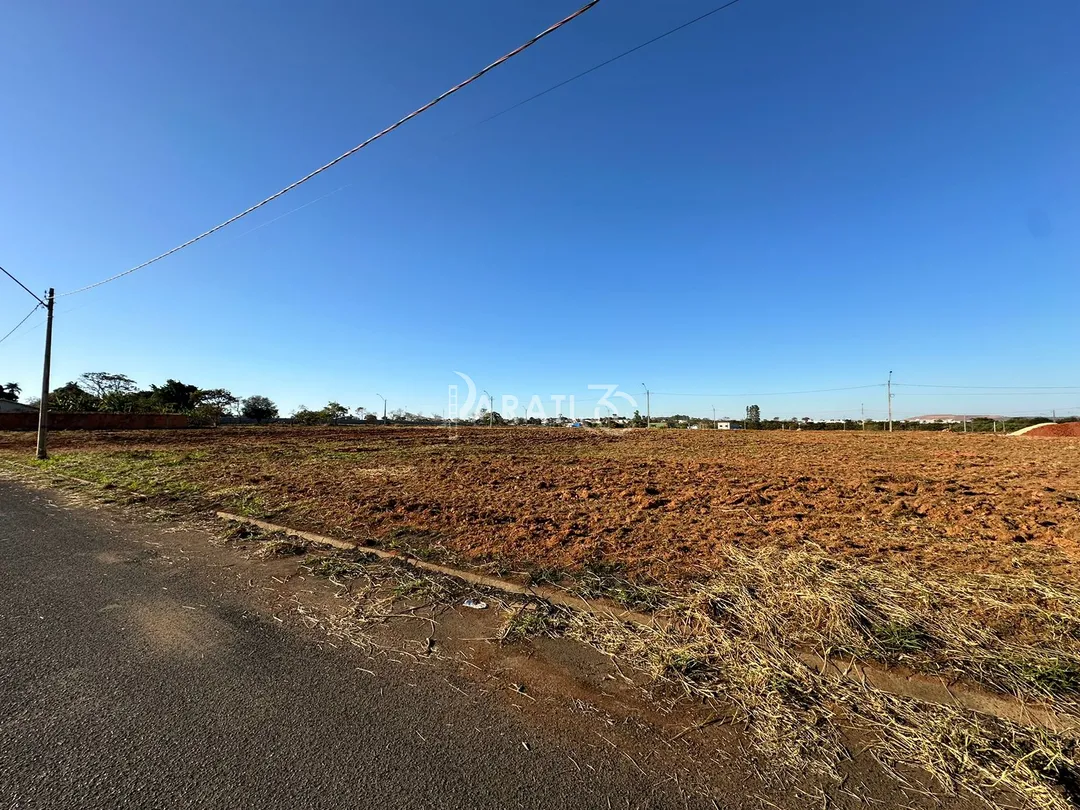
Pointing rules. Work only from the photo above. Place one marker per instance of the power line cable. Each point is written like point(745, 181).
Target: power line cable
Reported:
point(607, 62)
point(533, 97)
point(32, 295)
point(294, 210)
point(1065, 393)
point(994, 387)
point(773, 393)
point(551, 29)
point(20, 323)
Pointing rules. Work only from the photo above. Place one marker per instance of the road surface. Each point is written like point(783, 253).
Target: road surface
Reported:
point(129, 683)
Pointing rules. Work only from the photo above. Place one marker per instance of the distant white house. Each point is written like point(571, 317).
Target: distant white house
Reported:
point(728, 425)
point(10, 406)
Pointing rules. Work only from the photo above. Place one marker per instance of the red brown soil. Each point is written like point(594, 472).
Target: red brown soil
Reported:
point(1060, 429)
point(661, 502)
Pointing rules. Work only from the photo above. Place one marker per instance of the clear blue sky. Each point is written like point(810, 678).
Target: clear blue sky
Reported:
point(786, 196)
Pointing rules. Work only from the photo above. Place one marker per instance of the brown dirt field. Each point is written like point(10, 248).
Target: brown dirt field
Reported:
point(661, 503)
point(1061, 429)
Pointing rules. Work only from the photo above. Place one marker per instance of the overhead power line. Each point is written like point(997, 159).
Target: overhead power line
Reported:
point(1034, 393)
point(774, 393)
point(531, 98)
point(20, 323)
point(607, 62)
point(502, 59)
point(996, 387)
point(294, 210)
point(32, 294)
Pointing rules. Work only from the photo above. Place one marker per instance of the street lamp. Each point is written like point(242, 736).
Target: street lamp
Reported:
point(380, 396)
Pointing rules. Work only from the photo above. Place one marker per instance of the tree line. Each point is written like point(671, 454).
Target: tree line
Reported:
point(118, 393)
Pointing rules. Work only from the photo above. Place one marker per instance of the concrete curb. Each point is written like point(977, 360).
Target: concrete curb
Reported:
point(957, 695)
point(553, 595)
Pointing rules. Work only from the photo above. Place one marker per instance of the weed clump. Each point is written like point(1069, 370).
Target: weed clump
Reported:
point(527, 621)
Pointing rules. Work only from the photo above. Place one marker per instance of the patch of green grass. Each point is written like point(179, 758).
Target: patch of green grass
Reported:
point(1056, 676)
point(411, 586)
point(900, 639)
point(147, 472)
point(525, 622)
point(607, 581)
point(248, 503)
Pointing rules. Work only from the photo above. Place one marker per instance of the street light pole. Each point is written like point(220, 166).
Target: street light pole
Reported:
point(380, 396)
point(491, 409)
point(648, 407)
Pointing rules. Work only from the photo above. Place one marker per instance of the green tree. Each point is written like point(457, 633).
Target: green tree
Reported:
point(103, 384)
point(486, 417)
point(753, 417)
point(218, 401)
point(71, 397)
point(175, 396)
point(303, 416)
point(10, 391)
point(211, 405)
point(335, 412)
point(130, 402)
point(259, 408)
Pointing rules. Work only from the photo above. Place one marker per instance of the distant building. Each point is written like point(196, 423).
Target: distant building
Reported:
point(728, 425)
point(10, 406)
point(949, 418)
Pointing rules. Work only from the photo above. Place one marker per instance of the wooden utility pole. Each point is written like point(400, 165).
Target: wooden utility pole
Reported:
point(648, 407)
point(43, 407)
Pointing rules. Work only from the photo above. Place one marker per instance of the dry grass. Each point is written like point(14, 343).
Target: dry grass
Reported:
point(733, 641)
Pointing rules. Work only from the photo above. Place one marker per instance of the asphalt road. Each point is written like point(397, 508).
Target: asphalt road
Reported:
point(127, 683)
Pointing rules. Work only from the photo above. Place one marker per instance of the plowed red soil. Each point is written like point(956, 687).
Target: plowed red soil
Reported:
point(662, 502)
point(1060, 429)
